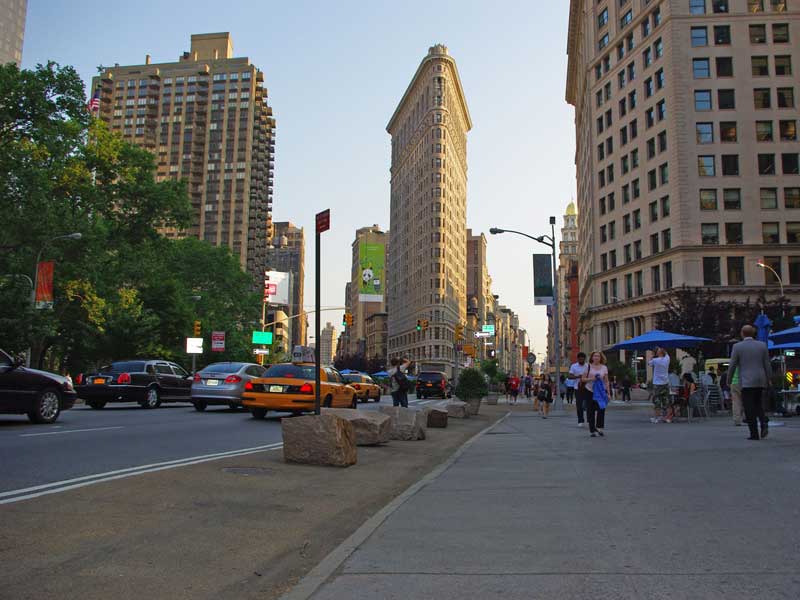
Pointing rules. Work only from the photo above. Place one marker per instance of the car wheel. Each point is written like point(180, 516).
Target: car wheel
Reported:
point(328, 402)
point(258, 413)
point(354, 404)
point(47, 407)
point(199, 406)
point(152, 399)
point(97, 404)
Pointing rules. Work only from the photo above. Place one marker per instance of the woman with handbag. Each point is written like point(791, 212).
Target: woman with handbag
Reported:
point(596, 382)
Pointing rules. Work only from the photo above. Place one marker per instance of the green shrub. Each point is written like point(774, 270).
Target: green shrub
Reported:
point(471, 385)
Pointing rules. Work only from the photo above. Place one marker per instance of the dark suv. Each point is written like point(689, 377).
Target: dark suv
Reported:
point(39, 394)
point(432, 384)
point(148, 382)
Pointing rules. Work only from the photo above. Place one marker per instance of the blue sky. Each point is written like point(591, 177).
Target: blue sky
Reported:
point(335, 73)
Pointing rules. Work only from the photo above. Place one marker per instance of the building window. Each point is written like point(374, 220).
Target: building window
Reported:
point(708, 199)
point(654, 249)
point(770, 234)
point(639, 277)
point(733, 233)
point(727, 131)
point(791, 197)
point(701, 68)
point(665, 206)
point(603, 42)
point(659, 48)
point(732, 199)
point(705, 166)
point(655, 278)
point(626, 224)
point(766, 164)
point(761, 98)
point(711, 271)
point(764, 131)
point(722, 35)
point(755, 6)
point(793, 232)
point(653, 208)
point(702, 100)
point(709, 233)
point(626, 19)
point(699, 36)
point(602, 18)
point(719, 6)
point(730, 164)
point(769, 198)
point(794, 270)
point(758, 34)
point(660, 81)
point(697, 7)
point(666, 239)
point(704, 133)
point(760, 66)
point(726, 99)
point(785, 97)
point(637, 250)
point(790, 163)
point(724, 66)
point(770, 277)
point(604, 291)
point(783, 65)
point(780, 33)
point(788, 131)
point(735, 270)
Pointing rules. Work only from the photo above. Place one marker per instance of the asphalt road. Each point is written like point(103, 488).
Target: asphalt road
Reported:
point(124, 439)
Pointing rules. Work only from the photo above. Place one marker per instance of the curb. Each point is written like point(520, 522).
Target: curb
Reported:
point(313, 580)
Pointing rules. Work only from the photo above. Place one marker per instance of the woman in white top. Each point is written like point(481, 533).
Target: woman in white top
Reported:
point(596, 375)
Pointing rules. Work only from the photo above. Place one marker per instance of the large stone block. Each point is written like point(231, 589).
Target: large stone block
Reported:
point(407, 424)
point(436, 417)
point(457, 409)
point(319, 440)
point(473, 405)
point(371, 427)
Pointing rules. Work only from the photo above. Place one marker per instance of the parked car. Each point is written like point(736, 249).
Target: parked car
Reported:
point(223, 383)
point(148, 382)
point(289, 387)
point(39, 394)
point(433, 384)
point(364, 385)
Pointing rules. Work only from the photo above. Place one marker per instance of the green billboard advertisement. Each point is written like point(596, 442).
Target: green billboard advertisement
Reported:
point(372, 261)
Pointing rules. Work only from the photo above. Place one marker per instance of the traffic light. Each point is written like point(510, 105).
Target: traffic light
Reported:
point(492, 353)
point(347, 321)
point(419, 324)
point(424, 324)
point(197, 329)
point(459, 332)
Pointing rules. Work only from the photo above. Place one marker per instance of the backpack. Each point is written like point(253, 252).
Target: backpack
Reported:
point(402, 381)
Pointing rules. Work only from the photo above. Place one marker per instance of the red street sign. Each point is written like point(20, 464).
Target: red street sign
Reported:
point(323, 221)
point(44, 285)
point(270, 289)
point(218, 341)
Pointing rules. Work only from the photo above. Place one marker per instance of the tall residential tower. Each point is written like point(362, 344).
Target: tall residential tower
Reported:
point(12, 30)
point(428, 238)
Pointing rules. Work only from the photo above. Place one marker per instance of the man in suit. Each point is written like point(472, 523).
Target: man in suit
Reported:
point(751, 358)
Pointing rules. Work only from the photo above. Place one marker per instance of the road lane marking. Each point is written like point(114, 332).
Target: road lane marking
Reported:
point(56, 487)
point(70, 431)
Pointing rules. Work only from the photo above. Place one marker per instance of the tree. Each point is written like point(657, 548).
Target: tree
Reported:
point(698, 312)
point(471, 385)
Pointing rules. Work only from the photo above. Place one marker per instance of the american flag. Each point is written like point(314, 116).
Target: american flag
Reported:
point(94, 104)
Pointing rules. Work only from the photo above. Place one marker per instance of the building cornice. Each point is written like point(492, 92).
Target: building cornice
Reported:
point(573, 48)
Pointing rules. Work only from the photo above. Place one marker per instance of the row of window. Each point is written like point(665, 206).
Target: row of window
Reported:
point(660, 278)
point(726, 99)
point(649, 55)
point(766, 164)
point(729, 131)
point(722, 35)
point(699, 7)
point(607, 204)
point(759, 66)
point(652, 21)
point(732, 198)
point(770, 233)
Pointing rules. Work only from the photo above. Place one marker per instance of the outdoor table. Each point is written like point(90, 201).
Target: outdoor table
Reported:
point(790, 397)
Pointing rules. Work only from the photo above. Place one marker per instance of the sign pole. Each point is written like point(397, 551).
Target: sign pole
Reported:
point(323, 224)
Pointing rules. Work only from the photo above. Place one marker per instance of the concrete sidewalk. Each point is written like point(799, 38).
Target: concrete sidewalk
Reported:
point(538, 509)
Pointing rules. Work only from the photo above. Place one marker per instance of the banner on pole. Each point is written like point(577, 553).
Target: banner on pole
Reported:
point(372, 263)
point(542, 280)
point(218, 341)
point(44, 285)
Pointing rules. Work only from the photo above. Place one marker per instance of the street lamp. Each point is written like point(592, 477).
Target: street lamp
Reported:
point(763, 265)
point(549, 241)
point(35, 282)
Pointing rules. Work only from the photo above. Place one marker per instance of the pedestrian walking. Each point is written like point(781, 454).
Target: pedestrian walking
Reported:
point(751, 358)
point(545, 397)
point(596, 381)
point(576, 372)
point(737, 408)
point(514, 388)
point(562, 387)
point(626, 389)
point(528, 381)
point(661, 396)
point(398, 381)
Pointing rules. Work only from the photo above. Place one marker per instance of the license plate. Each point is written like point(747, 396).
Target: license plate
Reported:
point(428, 385)
point(99, 381)
point(212, 381)
point(276, 389)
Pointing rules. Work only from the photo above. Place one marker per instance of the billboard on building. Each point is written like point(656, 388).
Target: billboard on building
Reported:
point(542, 280)
point(372, 261)
point(277, 287)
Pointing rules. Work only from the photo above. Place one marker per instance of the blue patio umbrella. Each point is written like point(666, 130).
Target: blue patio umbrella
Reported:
point(788, 346)
point(763, 325)
point(348, 372)
point(380, 374)
point(787, 336)
point(663, 339)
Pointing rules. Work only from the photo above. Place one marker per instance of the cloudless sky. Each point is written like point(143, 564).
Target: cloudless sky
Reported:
point(335, 72)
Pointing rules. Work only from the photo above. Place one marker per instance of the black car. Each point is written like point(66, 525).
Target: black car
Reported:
point(39, 394)
point(433, 384)
point(148, 382)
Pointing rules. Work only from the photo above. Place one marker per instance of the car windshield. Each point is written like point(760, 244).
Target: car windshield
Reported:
point(222, 368)
point(430, 377)
point(128, 366)
point(352, 378)
point(296, 371)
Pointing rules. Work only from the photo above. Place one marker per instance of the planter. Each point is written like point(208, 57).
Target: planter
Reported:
point(473, 405)
point(492, 398)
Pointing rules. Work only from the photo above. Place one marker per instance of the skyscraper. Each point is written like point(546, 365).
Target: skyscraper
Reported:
point(288, 255)
point(427, 238)
point(367, 290)
point(479, 291)
point(327, 344)
point(687, 154)
point(567, 274)
point(207, 120)
point(12, 30)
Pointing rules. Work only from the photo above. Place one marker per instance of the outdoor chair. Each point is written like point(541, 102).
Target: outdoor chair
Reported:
point(714, 397)
point(697, 402)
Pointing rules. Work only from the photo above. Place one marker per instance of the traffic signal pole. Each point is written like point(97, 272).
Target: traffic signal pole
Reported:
point(323, 222)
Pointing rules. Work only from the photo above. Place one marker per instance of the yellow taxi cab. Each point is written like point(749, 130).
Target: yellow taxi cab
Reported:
point(289, 387)
point(364, 385)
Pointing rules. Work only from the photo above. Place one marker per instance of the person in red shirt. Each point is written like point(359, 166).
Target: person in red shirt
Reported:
point(515, 382)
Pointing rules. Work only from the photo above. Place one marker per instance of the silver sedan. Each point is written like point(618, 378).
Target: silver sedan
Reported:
point(223, 383)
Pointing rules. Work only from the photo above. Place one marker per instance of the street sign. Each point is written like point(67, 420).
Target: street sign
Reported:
point(488, 329)
point(531, 359)
point(218, 341)
point(323, 221)
point(194, 345)
point(270, 289)
point(483, 334)
point(469, 350)
point(261, 351)
point(262, 337)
